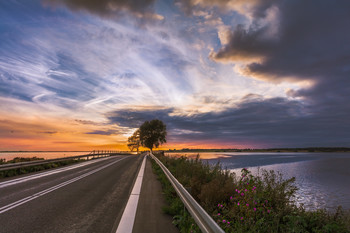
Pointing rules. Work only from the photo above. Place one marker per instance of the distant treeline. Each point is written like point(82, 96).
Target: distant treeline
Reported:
point(308, 149)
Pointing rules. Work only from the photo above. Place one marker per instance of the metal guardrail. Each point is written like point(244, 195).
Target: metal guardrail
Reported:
point(92, 154)
point(202, 218)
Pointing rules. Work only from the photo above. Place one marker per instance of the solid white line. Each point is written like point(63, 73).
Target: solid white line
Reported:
point(36, 176)
point(127, 221)
point(49, 190)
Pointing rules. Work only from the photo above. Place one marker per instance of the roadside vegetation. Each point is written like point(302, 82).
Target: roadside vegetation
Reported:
point(181, 217)
point(247, 203)
point(34, 168)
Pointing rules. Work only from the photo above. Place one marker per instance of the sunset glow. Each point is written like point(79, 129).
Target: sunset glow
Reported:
point(75, 75)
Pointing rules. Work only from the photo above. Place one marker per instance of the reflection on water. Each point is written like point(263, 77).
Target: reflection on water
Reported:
point(323, 179)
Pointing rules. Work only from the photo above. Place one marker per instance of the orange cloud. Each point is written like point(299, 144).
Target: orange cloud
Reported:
point(54, 134)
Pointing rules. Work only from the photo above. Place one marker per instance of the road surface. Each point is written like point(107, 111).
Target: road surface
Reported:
point(87, 197)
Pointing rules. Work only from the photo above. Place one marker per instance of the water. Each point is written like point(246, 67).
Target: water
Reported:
point(323, 179)
point(46, 155)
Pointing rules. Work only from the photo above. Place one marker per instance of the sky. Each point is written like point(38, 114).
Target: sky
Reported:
point(84, 75)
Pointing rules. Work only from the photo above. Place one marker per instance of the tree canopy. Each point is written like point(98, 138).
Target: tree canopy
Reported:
point(152, 133)
point(134, 141)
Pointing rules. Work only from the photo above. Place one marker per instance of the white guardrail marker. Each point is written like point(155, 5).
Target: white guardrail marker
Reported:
point(201, 217)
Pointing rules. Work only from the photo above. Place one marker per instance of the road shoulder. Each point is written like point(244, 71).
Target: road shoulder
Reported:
point(149, 215)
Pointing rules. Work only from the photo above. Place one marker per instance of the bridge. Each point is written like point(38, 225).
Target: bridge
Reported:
point(114, 193)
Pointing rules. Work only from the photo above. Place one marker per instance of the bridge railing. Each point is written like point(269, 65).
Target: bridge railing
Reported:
point(92, 154)
point(201, 217)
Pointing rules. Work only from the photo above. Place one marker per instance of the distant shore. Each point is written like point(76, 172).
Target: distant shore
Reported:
point(281, 150)
point(40, 151)
point(187, 150)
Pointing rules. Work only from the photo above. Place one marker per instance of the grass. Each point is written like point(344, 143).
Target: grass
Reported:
point(34, 168)
point(262, 203)
point(181, 217)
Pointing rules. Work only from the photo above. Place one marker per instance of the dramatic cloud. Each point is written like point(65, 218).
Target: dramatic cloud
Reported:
point(134, 118)
point(256, 122)
point(297, 41)
point(301, 42)
point(244, 73)
point(106, 132)
point(242, 46)
point(254, 8)
point(111, 8)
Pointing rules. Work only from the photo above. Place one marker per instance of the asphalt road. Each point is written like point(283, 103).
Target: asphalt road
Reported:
point(89, 198)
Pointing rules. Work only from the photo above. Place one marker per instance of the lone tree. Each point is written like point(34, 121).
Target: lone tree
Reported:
point(134, 141)
point(152, 133)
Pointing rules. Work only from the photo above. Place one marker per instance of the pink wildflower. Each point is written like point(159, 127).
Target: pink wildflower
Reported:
point(224, 221)
point(242, 194)
point(237, 203)
point(228, 222)
point(245, 190)
point(218, 214)
point(247, 204)
point(254, 209)
point(241, 218)
point(231, 198)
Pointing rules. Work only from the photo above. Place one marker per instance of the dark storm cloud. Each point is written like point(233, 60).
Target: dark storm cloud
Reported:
point(243, 46)
point(311, 42)
point(104, 132)
point(307, 40)
point(134, 119)
point(49, 132)
point(109, 8)
point(273, 122)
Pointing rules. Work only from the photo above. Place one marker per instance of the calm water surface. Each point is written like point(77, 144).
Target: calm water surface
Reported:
point(323, 179)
